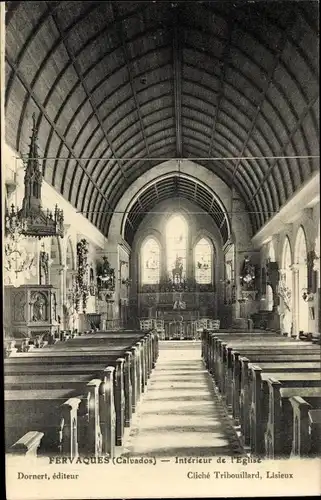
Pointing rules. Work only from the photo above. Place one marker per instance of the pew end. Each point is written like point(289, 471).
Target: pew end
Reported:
point(301, 444)
point(314, 422)
point(27, 445)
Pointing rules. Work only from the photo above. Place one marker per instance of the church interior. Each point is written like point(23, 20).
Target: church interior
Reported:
point(161, 228)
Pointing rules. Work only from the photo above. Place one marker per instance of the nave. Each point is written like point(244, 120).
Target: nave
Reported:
point(125, 393)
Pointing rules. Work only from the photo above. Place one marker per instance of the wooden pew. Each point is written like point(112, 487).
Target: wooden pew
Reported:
point(47, 412)
point(257, 412)
point(101, 356)
point(27, 445)
point(255, 417)
point(314, 431)
point(114, 344)
point(240, 370)
point(105, 418)
point(211, 338)
point(248, 347)
point(306, 441)
point(80, 364)
point(270, 348)
point(279, 432)
point(220, 345)
point(142, 364)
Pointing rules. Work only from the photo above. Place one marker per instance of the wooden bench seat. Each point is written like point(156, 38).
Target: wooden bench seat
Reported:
point(240, 367)
point(75, 384)
point(135, 365)
point(229, 356)
point(211, 350)
point(123, 399)
point(254, 404)
point(221, 348)
point(230, 369)
point(52, 355)
point(27, 445)
point(70, 424)
point(279, 430)
point(314, 431)
point(256, 375)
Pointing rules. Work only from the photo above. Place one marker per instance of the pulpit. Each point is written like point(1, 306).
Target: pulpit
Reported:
point(31, 311)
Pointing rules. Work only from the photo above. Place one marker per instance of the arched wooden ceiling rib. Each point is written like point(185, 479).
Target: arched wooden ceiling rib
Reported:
point(163, 79)
point(175, 186)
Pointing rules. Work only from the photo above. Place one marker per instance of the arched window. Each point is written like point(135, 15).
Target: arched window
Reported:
point(203, 262)
point(150, 266)
point(176, 246)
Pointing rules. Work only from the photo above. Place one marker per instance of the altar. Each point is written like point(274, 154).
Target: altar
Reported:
point(178, 323)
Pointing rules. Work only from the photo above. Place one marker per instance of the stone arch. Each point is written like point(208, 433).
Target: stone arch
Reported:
point(301, 282)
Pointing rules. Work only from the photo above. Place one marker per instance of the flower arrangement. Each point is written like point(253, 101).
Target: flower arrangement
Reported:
point(81, 288)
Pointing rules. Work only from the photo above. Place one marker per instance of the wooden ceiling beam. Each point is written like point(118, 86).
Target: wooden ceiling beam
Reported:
point(121, 37)
point(55, 128)
point(177, 70)
point(270, 77)
point(286, 144)
point(224, 64)
point(88, 94)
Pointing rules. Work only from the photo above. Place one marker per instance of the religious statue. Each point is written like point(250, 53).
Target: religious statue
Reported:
point(179, 304)
point(38, 309)
point(247, 276)
point(105, 275)
point(43, 267)
point(177, 271)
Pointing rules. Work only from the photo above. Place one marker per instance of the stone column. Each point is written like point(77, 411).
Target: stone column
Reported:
point(57, 275)
point(295, 301)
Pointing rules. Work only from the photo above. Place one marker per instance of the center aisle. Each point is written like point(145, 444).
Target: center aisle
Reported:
point(180, 414)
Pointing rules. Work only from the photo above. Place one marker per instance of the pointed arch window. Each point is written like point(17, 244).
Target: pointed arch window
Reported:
point(176, 246)
point(203, 262)
point(150, 262)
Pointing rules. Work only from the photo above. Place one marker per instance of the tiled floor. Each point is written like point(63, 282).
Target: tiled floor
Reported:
point(180, 414)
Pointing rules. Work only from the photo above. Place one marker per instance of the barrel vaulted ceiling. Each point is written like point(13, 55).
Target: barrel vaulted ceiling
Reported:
point(119, 87)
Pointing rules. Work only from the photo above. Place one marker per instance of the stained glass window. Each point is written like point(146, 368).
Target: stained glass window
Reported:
point(203, 262)
point(150, 262)
point(176, 246)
